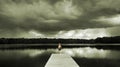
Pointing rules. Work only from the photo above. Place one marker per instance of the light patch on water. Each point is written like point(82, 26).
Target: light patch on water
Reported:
point(33, 53)
point(86, 52)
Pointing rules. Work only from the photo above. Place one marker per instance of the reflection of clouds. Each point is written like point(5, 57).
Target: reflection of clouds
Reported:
point(19, 53)
point(79, 52)
point(74, 52)
point(87, 52)
point(33, 53)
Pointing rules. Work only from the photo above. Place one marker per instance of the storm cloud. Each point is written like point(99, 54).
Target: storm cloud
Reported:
point(49, 17)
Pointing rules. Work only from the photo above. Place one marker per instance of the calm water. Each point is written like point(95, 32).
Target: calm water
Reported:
point(85, 57)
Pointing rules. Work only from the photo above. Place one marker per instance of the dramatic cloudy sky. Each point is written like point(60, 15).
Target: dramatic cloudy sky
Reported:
point(59, 18)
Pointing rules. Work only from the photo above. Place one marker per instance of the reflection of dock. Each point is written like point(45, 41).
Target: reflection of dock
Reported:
point(61, 60)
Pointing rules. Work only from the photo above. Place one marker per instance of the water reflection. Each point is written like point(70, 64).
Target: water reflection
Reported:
point(85, 57)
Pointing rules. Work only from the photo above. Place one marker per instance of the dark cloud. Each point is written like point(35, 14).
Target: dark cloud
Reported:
point(52, 16)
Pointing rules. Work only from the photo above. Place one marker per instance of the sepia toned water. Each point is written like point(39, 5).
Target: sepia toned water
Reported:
point(85, 57)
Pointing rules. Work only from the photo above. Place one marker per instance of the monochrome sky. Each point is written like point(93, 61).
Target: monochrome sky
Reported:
point(84, 19)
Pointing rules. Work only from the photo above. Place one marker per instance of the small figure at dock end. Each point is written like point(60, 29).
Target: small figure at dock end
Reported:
point(59, 46)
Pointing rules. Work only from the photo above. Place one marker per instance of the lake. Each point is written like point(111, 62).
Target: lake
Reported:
point(84, 56)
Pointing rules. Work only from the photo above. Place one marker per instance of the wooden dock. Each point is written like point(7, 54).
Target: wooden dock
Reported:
point(61, 60)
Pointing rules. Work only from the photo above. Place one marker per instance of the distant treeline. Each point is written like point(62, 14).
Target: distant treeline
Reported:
point(65, 41)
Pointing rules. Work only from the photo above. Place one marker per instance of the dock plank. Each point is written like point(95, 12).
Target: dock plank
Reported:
point(61, 60)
